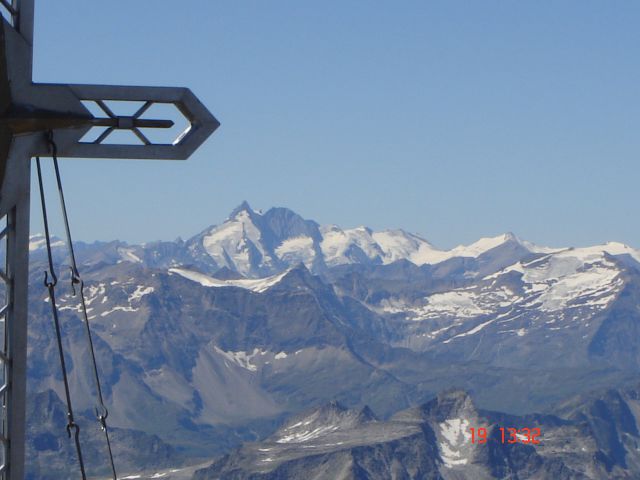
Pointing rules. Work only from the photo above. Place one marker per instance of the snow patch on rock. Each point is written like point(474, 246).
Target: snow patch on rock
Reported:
point(257, 285)
point(455, 441)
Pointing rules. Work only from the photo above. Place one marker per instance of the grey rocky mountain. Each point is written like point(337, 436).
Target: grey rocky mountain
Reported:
point(214, 341)
point(595, 439)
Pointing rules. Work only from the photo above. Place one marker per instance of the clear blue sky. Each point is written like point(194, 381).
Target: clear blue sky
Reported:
point(450, 119)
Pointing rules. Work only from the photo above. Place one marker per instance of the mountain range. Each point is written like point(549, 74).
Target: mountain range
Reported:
point(226, 335)
point(588, 438)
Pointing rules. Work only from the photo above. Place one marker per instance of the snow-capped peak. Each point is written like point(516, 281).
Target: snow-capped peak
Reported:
point(38, 241)
point(474, 250)
point(616, 248)
point(483, 245)
point(243, 207)
point(238, 244)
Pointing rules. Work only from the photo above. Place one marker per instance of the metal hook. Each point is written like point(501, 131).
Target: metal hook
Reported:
point(76, 435)
point(47, 283)
point(75, 280)
point(101, 411)
point(72, 425)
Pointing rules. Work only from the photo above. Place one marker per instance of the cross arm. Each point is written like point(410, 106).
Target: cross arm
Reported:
point(201, 123)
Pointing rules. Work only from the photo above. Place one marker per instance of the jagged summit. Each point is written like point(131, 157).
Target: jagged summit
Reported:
point(243, 207)
point(326, 419)
point(452, 403)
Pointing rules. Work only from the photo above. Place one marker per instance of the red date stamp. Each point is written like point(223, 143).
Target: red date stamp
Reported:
point(527, 436)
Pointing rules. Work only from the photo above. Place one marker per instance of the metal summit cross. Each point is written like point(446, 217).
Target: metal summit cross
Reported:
point(28, 114)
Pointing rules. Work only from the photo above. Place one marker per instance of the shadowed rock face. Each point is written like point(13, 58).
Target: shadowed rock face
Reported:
point(47, 442)
point(435, 441)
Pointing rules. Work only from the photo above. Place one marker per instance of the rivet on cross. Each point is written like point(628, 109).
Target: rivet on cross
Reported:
point(28, 112)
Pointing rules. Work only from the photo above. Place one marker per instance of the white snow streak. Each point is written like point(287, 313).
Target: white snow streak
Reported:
point(257, 285)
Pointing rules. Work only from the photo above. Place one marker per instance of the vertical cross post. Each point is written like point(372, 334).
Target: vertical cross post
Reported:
point(14, 212)
point(15, 176)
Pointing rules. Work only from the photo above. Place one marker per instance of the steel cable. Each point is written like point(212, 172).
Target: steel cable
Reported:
point(101, 410)
point(51, 285)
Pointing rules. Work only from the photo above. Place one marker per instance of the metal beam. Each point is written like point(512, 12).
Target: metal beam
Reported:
point(14, 205)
